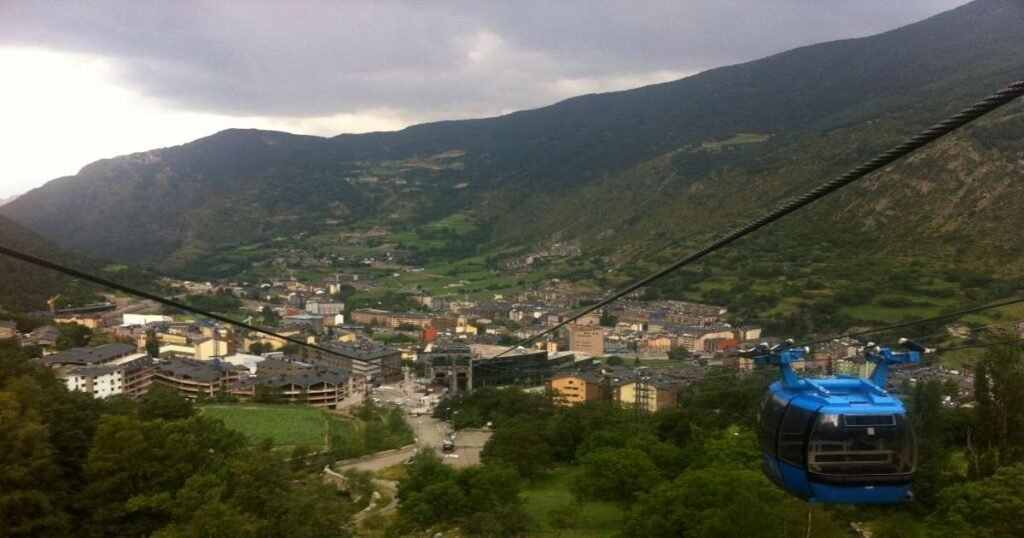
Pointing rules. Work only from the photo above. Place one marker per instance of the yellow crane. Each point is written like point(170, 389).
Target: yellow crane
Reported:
point(52, 301)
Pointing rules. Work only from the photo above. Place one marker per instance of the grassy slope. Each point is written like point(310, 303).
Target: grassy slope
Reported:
point(285, 426)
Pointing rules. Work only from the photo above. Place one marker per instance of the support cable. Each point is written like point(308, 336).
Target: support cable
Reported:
point(925, 137)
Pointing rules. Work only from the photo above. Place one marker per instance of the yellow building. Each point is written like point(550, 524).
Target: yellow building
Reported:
point(656, 395)
point(576, 388)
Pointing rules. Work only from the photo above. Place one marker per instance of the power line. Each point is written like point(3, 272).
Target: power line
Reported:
point(965, 116)
point(905, 324)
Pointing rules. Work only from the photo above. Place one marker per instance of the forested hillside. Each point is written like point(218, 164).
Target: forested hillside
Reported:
point(24, 287)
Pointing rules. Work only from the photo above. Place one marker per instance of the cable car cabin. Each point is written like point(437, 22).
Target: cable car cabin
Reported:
point(838, 440)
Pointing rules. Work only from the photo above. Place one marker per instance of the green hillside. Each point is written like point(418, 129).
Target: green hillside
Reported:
point(24, 287)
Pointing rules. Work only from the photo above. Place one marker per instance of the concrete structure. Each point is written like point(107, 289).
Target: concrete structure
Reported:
point(449, 364)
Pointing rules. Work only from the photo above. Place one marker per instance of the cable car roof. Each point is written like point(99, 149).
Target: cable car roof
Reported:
point(843, 394)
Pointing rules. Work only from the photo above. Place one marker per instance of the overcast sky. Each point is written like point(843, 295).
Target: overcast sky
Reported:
point(84, 80)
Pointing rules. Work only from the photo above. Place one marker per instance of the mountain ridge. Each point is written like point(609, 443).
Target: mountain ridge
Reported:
point(521, 171)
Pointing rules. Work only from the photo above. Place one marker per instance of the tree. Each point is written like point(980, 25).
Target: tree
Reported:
point(162, 402)
point(998, 438)
point(520, 444)
point(679, 354)
point(608, 320)
point(987, 508)
point(724, 501)
point(27, 474)
point(615, 360)
point(152, 344)
point(615, 474)
point(270, 317)
point(72, 335)
point(259, 348)
point(482, 500)
point(136, 467)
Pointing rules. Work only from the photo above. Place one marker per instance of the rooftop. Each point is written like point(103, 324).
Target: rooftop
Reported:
point(88, 355)
point(195, 369)
point(365, 352)
point(304, 379)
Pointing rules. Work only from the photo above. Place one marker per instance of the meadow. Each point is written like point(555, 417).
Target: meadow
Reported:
point(285, 426)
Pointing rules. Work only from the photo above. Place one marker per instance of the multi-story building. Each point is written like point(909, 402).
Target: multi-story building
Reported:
point(746, 333)
point(694, 339)
point(652, 394)
point(104, 370)
point(201, 349)
point(44, 337)
point(586, 339)
point(87, 356)
point(384, 318)
point(194, 378)
point(655, 345)
point(311, 386)
point(324, 308)
point(131, 376)
point(495, 366)
point(574, 388)
point(378, 363)
point(312, 321)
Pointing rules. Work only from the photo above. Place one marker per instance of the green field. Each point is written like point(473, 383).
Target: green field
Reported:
point(285, 426)
point(550, 493)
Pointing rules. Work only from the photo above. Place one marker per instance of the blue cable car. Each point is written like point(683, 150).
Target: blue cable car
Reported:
point(842, 440)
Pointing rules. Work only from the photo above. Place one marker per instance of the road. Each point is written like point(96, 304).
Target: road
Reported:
point(429, 432)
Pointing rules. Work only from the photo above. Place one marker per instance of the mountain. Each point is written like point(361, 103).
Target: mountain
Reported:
point(645, 172)
point(24, 287)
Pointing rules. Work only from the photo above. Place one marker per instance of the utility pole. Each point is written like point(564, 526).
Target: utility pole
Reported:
point(639, 391)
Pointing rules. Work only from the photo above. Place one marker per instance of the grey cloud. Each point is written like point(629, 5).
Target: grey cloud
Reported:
point(424, 59)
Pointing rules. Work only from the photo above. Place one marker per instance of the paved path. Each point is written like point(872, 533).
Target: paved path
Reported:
point(429, 432)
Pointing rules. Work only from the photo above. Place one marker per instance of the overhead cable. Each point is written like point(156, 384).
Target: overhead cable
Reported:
point(925, 137)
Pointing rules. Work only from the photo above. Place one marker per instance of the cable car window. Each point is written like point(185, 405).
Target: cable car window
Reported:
point(793, 435)
point(869, 420)
point(771, 414)
point(837, 449)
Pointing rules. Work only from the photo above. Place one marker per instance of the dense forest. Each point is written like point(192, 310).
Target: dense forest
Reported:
point(695, 470)
point(71, 464)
